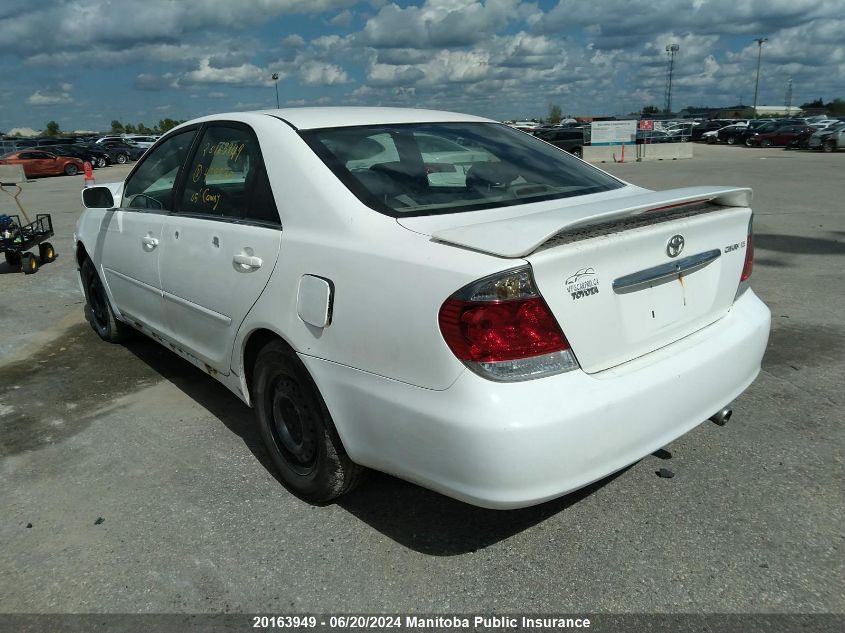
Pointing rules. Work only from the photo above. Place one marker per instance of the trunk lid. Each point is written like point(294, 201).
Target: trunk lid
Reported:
point(619, 280)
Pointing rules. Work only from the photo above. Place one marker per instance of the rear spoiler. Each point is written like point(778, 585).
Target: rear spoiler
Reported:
point(522, 235)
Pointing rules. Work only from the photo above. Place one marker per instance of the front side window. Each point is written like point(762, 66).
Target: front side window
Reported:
point(433, 168)
point(227, 177)
point(150, 186)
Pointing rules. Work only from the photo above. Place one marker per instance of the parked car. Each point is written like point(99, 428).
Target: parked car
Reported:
point(780, 137)
point(653, 136)
point(121, 152)
point(830, 139)
point(765, 128)
point(732, 134)
point(680, 132)
point(503, 342)
point(707, 126)
point(802, 141)
point(570, 139)
point(40, 163)
point(97, 158)
point(140, 140)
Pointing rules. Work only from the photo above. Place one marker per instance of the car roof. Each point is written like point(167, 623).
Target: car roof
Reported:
point(327, 117)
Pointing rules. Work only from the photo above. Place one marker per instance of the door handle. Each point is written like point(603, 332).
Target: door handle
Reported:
point(247, 261)
point(152, 242)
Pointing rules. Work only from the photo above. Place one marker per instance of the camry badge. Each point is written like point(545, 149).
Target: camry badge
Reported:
point(675, 245)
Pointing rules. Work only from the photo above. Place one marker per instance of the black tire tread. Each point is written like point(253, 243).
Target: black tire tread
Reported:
point(343, 475)
point(116, 331)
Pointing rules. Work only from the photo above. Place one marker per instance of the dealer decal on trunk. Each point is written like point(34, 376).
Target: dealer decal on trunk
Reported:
point(582, 283)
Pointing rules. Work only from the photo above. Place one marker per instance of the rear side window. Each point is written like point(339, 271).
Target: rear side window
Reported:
point(227, 178)
point(434, 168)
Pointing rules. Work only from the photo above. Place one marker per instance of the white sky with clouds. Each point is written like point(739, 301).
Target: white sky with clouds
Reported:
point(86, 62)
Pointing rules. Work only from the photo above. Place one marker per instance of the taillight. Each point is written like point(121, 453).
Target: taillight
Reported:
point(502, 329)
point(749, 258)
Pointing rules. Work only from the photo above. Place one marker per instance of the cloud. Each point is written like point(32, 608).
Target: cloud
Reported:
point(315, 73)
point(40, 98)
point(83, 24)
point(243, 75)
point(439, 23)
point(342, 19)
point(152, 82)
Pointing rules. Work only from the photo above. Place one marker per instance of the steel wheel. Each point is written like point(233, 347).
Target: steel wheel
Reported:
point(294, 429)
point(297, 428)
point(98, 310)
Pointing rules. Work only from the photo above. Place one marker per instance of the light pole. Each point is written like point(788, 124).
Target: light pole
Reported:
point(759, 41)
point(671, 49)
point(276, 84)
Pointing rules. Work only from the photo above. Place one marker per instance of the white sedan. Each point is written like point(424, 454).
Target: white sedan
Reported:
point(504, 338)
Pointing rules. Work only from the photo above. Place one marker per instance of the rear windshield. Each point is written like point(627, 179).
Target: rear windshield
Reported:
point(434, 168)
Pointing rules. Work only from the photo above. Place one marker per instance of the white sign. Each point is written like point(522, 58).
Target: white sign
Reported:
point(613, 132)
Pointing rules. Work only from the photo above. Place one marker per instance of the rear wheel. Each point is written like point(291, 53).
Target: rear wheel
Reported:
point(29, 264)
point(577, 151)
point(731, 140)
point(748, 143)
point(101, 162)
point(13, 258)
point(46, 252)
point(98, 310)
point(297, 428)
point(122, 158)
point(828, 146)
point(71, 169)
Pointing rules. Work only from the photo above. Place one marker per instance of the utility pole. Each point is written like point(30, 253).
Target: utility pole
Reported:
point(671, 49)
point(760, 41)
point(276, 83)
point(787, 101)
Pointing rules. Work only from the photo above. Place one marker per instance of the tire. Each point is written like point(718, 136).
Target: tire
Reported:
point(29, 264)
point(297, 428)
point(748, 142)
point(98, 310)
point(731, 140)
point(828, 147)
point(101, 162)
point(71, 169)
point(122, 159)
point(766, 142)
point(578, 152)
point(13, 258)
point(46, 252)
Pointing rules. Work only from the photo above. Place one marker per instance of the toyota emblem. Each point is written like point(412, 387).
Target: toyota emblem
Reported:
point(675, 245)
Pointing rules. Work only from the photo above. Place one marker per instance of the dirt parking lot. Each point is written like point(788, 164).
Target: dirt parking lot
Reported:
point(131, 482)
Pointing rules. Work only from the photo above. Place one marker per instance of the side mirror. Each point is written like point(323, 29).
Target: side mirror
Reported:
point(97, 198)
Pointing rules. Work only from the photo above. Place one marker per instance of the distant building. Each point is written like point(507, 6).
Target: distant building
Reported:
point(778, 110)
point(22, 131)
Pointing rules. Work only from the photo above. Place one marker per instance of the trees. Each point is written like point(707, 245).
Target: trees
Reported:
point(52, 129)
point(167, 124)
point(116, 127)
point(651, 109)
point(836, 107)
point(555, 115)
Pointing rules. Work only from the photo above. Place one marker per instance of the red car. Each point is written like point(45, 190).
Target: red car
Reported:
point(780, 137)
point(40, 163)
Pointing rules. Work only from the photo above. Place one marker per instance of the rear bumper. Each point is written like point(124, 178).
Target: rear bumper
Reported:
point(509, 445)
